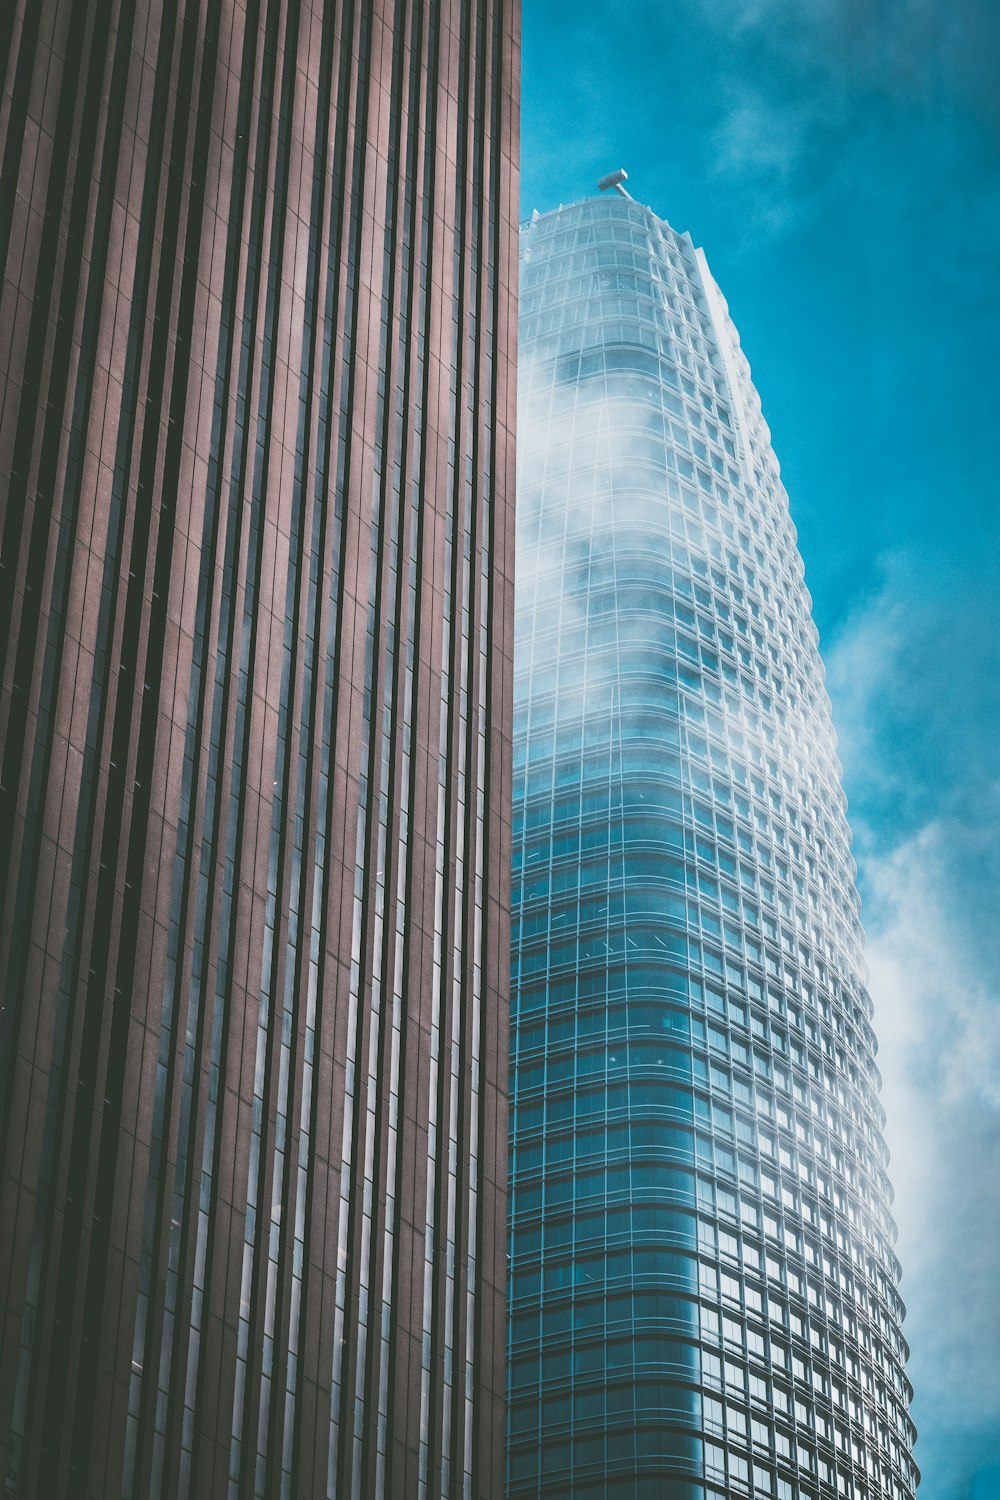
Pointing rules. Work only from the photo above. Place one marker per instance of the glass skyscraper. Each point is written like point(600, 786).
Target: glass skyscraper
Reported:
point(704, 1290)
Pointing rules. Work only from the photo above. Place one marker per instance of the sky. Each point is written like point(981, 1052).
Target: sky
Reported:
point(839, 163)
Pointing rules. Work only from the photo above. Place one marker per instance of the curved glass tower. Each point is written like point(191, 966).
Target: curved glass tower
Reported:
point(704, 1293)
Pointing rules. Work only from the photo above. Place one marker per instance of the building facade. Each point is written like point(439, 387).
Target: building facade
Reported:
point(704, 1290)
point(256, 417)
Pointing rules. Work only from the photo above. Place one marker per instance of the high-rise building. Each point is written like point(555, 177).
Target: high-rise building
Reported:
point(256, 413)
point(704, 1290)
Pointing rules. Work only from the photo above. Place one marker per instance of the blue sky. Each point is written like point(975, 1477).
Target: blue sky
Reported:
point(839, 162)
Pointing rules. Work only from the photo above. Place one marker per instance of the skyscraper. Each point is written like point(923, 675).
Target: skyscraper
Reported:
point(704, 1291)
point(255, 446)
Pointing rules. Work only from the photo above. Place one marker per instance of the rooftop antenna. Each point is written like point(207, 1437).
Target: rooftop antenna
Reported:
point(614, 180)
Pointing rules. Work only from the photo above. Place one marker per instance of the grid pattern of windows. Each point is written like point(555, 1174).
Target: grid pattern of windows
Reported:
point(256, 417)
point(703, 1286)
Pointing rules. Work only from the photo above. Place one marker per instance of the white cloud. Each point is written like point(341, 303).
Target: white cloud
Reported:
point(936, 988)
point(770, 153)
point(906, 49)
point(911, 685)
point(913, 678)
point(758, 136)
point(818, 92)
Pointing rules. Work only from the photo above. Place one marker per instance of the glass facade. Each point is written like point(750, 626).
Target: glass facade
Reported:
point(703, 1287)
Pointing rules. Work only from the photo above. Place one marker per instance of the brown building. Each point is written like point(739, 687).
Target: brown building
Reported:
point(256, 421)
